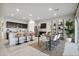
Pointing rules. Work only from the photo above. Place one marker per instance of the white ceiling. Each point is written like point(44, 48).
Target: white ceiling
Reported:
point(37, 10)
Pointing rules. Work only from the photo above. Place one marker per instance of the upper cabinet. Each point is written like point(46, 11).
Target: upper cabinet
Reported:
point(15, 25)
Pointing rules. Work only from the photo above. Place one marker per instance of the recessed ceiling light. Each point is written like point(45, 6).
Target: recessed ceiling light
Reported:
point(50, 9)
point(55, 14)
point(24, 17)
point(12, 14)
point(17, 10)
point(30, 15)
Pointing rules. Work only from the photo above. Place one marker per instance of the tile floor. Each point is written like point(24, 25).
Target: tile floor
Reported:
point(20, 50)
point(25, 50)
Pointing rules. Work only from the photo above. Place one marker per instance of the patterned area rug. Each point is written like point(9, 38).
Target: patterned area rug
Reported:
point(55, 51)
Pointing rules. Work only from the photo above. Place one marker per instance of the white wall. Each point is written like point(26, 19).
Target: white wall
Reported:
point(48, 21)
point(48, 28)
point(31, 26)
point(16, 20)
point(78, 31)
point(2, 27)
point(77, 26)
point(11, 20)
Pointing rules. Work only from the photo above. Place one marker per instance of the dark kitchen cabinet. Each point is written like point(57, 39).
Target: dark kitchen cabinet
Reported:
point(15, 25)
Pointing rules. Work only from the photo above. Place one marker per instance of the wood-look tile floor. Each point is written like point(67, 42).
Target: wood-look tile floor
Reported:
point(20, 50)
point(55, 51)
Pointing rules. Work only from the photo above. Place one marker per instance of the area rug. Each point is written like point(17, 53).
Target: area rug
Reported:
point(56, 51)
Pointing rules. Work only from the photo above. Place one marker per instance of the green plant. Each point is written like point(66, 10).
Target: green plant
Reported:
point(69, 28)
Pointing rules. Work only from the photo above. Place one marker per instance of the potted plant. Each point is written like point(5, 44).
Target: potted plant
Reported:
point(69, 30)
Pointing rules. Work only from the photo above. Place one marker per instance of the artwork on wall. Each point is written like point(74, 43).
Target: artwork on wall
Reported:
point(43, 25)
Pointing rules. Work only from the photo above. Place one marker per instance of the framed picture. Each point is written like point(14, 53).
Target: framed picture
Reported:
point(43, 25)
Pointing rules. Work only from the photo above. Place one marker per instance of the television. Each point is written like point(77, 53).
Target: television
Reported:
point(43, 25)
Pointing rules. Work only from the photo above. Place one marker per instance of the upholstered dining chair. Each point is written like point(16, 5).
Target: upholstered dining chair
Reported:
point(53, 41)
point(43, 40)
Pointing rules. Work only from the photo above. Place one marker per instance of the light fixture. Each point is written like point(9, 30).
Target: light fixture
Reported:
point(17, 10)
point(30, 15)
point(50, 9)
